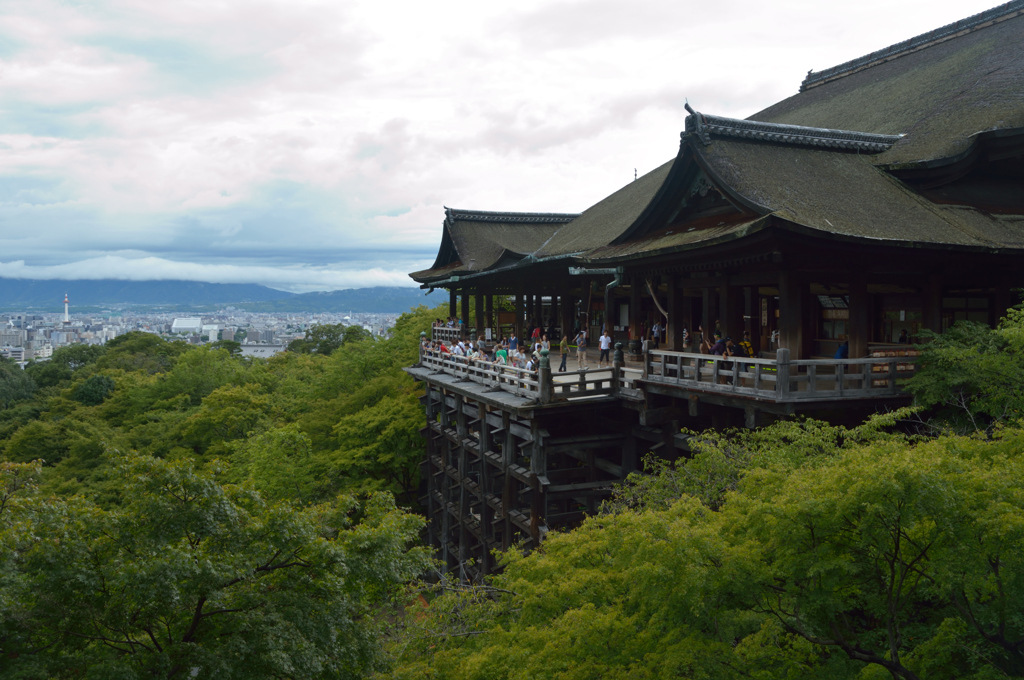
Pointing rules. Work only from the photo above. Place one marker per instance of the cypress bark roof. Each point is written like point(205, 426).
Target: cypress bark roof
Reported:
point(839, 158)
point(476, 240)
point(938, 95)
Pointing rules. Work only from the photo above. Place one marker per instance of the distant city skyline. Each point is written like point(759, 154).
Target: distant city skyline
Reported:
point(313, 147)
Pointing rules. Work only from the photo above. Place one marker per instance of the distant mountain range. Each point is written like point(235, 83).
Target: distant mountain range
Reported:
point(380, 299)
point(48, 295)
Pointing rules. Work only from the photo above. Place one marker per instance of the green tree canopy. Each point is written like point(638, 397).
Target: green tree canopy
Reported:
point(94, 390)
point(326, 338)
point(884, 557)
point(61, 366)
point(192, 578)
point(972, 376)
point(15, 384)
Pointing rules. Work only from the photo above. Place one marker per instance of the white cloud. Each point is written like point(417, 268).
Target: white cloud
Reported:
point(246, 137)
point(295, 278)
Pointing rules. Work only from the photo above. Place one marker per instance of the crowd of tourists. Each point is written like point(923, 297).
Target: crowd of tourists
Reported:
point(525, 353)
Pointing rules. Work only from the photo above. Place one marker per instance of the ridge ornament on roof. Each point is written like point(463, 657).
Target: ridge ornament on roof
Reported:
point(981, 20)
point(454, 214)
point(703, 126)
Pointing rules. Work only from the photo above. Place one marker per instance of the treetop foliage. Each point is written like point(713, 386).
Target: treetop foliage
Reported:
point(802, 550)
point(191, 577)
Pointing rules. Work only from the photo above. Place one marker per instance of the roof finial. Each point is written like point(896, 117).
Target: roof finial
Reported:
point(687, 106)
point(634, 174)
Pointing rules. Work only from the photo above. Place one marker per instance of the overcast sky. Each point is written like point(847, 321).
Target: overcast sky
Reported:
point(311, 145)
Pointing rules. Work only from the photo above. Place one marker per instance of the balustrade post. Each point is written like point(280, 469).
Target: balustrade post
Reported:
point(423, 343)
point(544, 381)
point(617, 361)
point(782, 373)
point(647, 361)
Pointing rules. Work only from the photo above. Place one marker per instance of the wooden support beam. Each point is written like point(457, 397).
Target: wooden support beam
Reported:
point(518, 326)
point(507, 495)
point(793, 310)
point(858, 326)
point(635, 288)
point(730, 306)
point(932, 298)
point(486, 512)
point(599, 463)
point(465, 311)
point(480, 321)
point(659, 416)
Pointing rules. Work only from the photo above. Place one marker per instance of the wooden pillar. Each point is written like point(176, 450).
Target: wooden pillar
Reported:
point(431, 477)
point(634, 310)
point(629, 455)
point(518, 328)
point(1002, 300)
point(750, 317)
point(508, 497)
point(707, 318)
point(461, 495)
point(446, 460)
point(453, 307)
point(486, 512)
point(792, 310)
point(465, 311)
point(730, 310)
point(553, 315)
point(568, 315)
point(932, 299)
point(489, 313)
point(538, 468)
point(673, 305)
point(858, 326)
point(480, 320)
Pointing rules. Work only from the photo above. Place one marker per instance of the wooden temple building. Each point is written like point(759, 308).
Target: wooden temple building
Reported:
point(887, 195)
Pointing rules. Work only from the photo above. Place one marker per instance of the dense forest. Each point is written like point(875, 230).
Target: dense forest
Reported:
point(180, 511)
point(177, 511)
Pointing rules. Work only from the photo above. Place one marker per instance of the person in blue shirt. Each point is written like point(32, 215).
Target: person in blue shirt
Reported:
point(513, 343)
point(844, 351)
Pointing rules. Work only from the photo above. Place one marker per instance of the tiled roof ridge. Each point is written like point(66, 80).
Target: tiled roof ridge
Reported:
point(703, 126)
point(523, 217)
point(981, 20)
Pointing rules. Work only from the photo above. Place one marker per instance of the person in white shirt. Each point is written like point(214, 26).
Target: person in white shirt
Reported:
point(606, 347)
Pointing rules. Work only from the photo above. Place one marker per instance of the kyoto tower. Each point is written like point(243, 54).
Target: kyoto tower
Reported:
point(67, 319)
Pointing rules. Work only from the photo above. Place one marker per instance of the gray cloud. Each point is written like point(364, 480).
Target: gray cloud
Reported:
point(267, 136)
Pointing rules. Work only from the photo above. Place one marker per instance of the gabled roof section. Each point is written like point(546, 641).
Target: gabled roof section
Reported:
point(919, 42)
point(846, 196)
point(704, 127)
point(608, 219)
point(939, 92)
point(476, 240)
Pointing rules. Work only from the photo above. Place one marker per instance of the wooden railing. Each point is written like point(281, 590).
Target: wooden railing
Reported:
point(780, 379)
point(446, 334)
point(540, 384)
